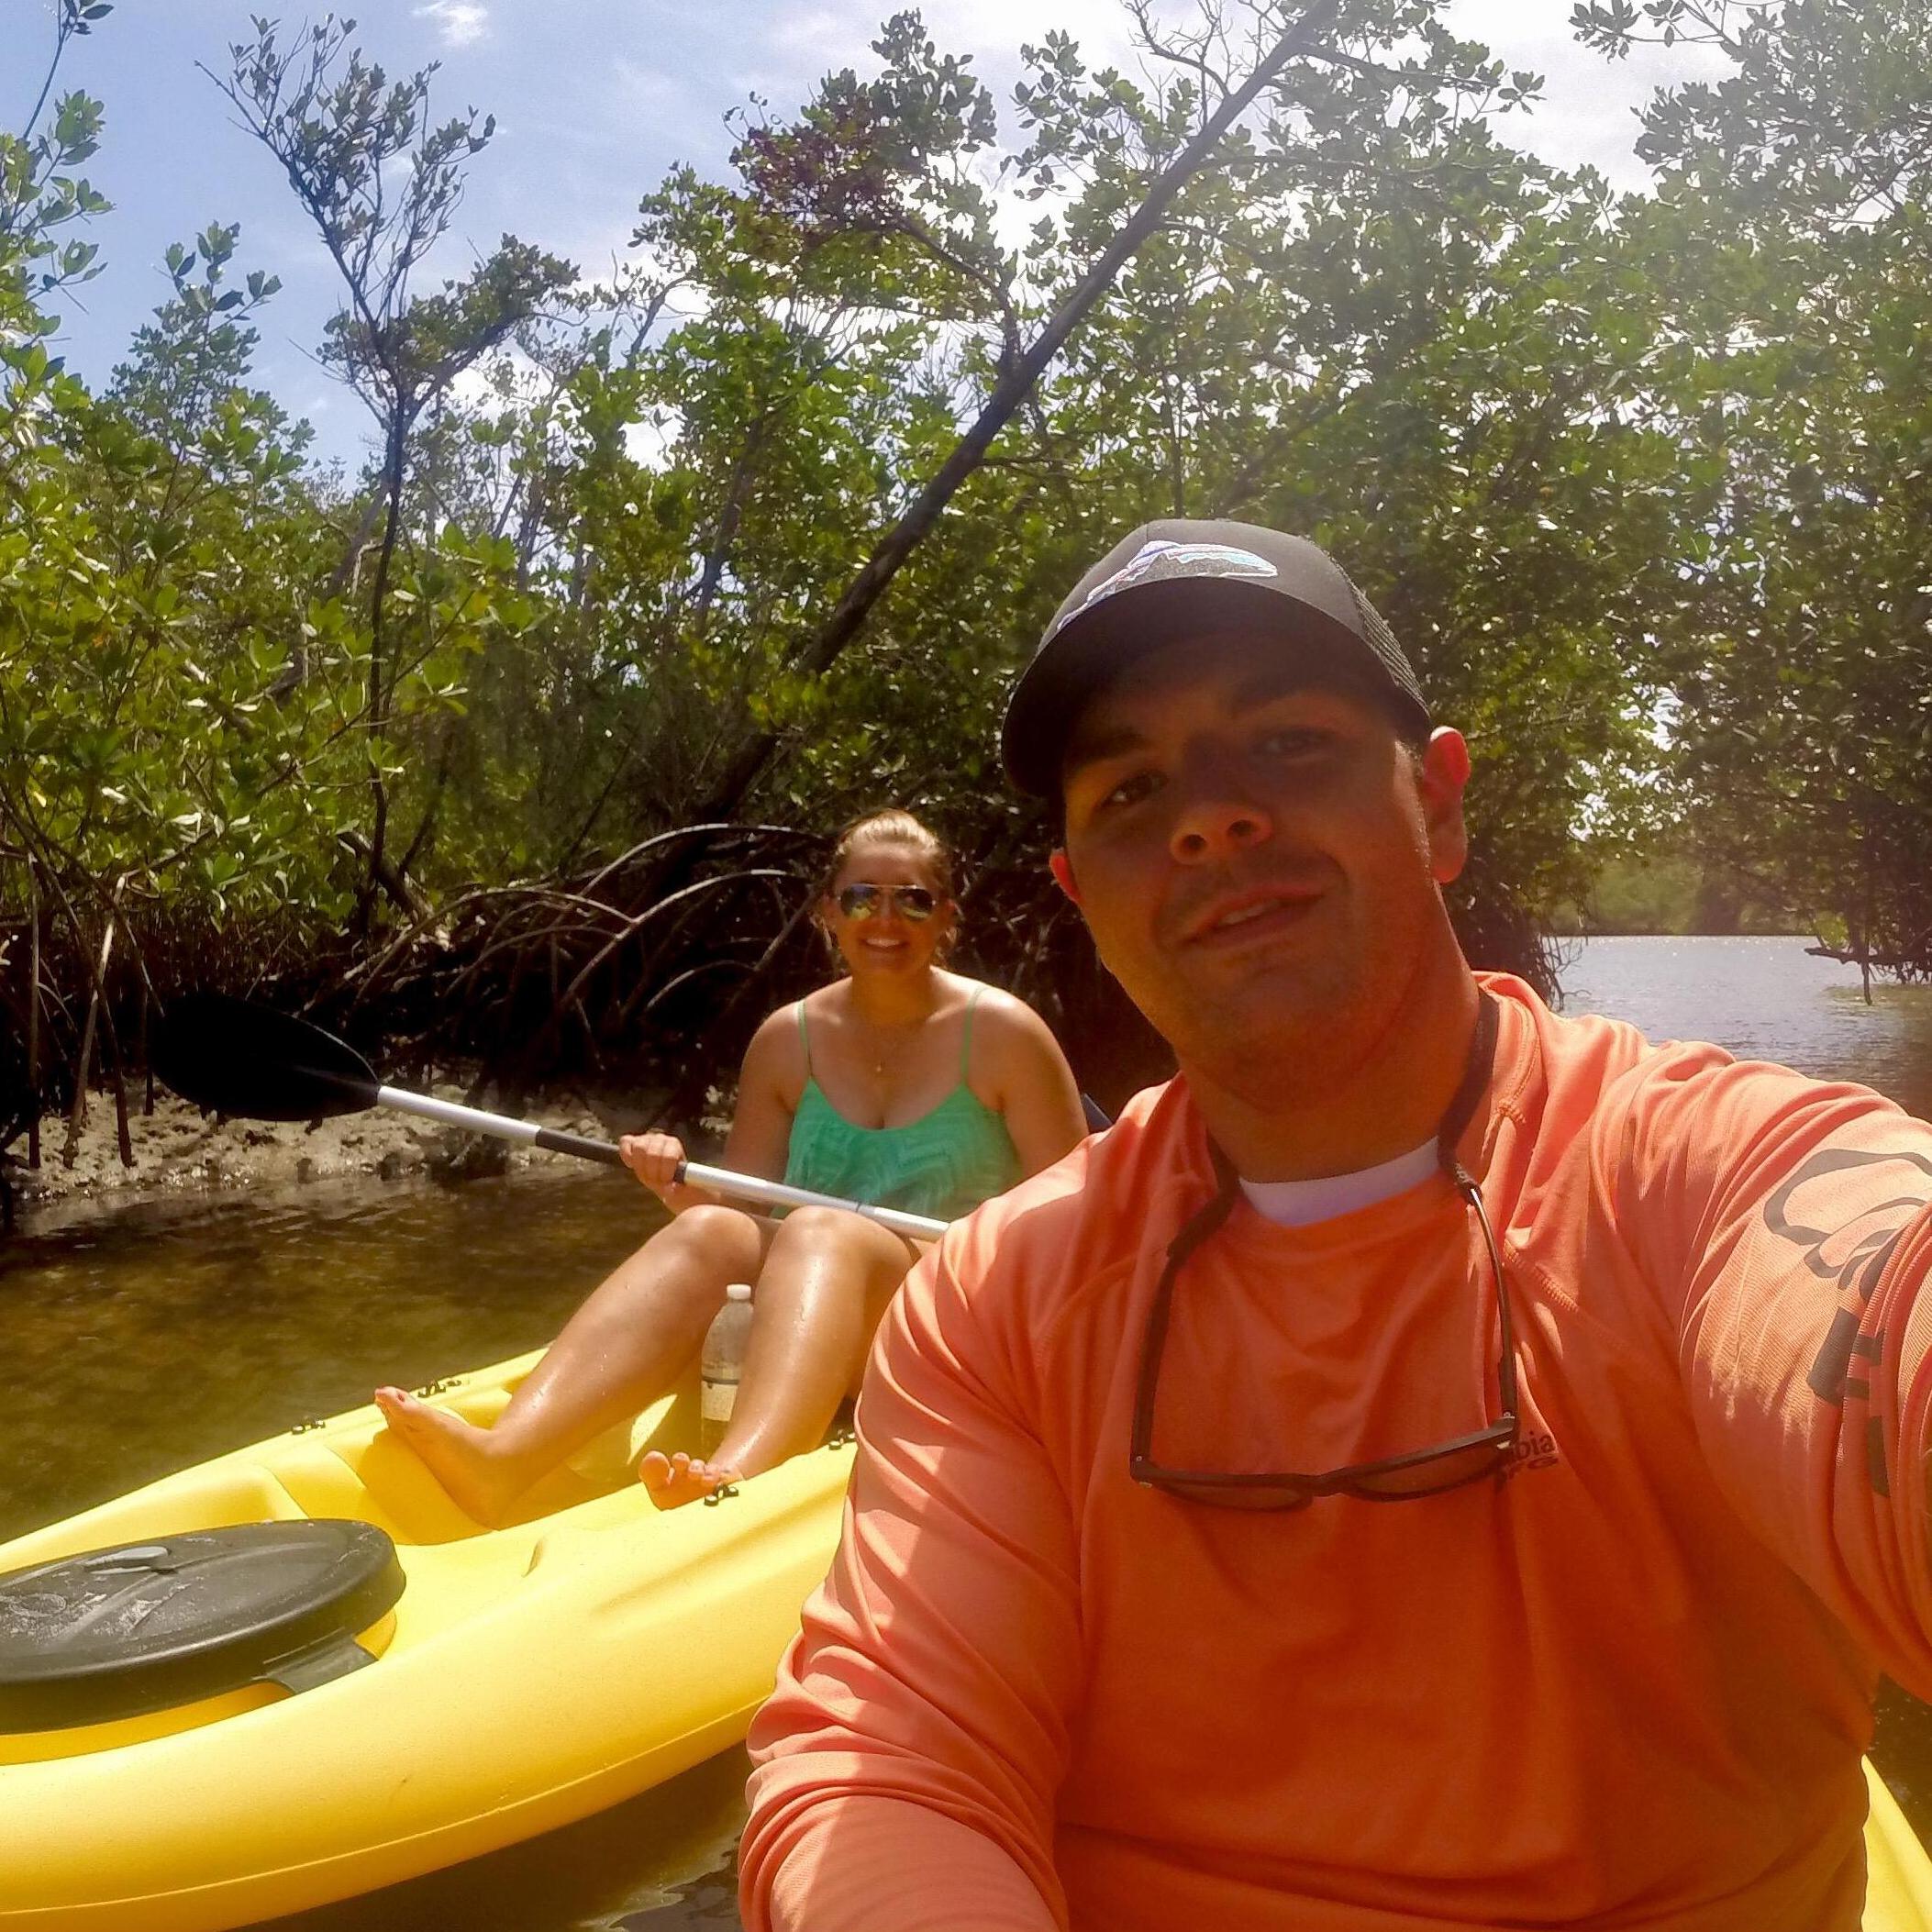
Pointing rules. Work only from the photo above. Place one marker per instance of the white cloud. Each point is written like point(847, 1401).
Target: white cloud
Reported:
point(640, 85)
point(1589, 109)
point(651, 442)
point(821, 31)
point(1588, 114)
point(461, 21)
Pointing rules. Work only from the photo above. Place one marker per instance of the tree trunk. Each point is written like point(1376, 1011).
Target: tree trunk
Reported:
point(819, 652)
point(77, 1117)
point(33, 1018)
point(378, 696)
point(737, 494)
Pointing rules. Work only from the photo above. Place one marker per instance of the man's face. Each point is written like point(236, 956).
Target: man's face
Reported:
point(1259, 858)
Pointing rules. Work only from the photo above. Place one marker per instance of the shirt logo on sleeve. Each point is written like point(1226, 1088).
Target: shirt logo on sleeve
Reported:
point(1850, 1249)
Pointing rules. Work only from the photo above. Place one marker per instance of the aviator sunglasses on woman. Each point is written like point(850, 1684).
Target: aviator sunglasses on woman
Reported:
point(914, 903)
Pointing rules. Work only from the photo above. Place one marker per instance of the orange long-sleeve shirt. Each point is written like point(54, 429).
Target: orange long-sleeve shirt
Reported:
point(1628, 1686)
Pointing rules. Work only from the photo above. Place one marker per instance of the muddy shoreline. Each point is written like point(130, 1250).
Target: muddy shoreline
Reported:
point(179, 1152)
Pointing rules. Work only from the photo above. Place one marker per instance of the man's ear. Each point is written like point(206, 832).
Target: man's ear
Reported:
point(1063, 871)
point(1440, 779)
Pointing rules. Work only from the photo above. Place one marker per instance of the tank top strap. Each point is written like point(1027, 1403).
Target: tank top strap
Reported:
point(804, 1040)
point(973, 1000)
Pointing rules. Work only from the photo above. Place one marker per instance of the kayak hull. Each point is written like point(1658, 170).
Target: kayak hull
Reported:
point(476, 1727)
point(1898, 1874)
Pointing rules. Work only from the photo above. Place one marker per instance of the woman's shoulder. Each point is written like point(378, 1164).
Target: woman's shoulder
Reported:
point(824, 1006)
point(777, 1048)
point(990, 1005)
point(779, 1022)
point(1002, 1022)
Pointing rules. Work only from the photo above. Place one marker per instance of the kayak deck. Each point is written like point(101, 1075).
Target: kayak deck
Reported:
point(528, 1676)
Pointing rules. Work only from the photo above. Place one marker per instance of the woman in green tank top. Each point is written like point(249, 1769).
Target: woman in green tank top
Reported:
point(899, 1083)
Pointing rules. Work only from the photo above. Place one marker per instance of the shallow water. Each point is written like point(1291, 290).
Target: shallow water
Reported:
point(168, 1331)
point(162, 1333)
point(165, 1333)
point(1762, 999)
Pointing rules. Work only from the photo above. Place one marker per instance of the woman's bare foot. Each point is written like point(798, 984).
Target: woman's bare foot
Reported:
point(479, 1480)
point(674, 1480)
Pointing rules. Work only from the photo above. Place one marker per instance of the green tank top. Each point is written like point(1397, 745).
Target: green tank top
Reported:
point(944, 1163)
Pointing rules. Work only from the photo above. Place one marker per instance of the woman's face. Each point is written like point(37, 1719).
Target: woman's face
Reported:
point(879, 933)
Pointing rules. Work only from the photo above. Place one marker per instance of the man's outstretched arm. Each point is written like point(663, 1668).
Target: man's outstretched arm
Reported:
point(1792, 1225)
point(908, 1758)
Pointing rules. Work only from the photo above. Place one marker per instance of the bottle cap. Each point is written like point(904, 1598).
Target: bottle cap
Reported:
point(739, 1291)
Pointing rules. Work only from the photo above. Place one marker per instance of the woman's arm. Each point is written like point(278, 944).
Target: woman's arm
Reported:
point(768, 1089)
point(761, 1123)
point(1033, 1087)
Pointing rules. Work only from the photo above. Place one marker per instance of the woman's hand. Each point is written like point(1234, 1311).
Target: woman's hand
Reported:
point(655, 1159)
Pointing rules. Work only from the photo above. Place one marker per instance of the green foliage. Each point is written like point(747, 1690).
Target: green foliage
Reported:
point(185, 731)
point(135, 760)
point(1795, 365)
point(1636, 893)
point(150, 593)
point(1642, 484)
point(1670, 890)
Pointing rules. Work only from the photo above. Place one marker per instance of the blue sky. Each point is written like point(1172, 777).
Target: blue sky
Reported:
point(595, 100)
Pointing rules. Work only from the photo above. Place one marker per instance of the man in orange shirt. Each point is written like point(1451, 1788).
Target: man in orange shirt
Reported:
point(1432, 1464)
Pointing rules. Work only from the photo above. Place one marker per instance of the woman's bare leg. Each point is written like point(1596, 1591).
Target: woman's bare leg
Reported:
point(825, 1282)
point(623, 1347)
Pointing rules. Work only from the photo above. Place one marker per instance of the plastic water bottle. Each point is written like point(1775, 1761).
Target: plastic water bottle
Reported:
point(721, 1365)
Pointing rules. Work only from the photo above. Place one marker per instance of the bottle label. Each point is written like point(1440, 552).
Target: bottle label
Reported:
point(716, 1399)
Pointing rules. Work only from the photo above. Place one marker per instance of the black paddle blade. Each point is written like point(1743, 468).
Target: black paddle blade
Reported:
point(246, 1061)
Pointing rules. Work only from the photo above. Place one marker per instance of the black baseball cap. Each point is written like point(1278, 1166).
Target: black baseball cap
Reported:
point(1179, 577)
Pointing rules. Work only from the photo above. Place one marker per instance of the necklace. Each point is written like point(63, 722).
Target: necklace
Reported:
point(876, 1054)
point(875, 1042)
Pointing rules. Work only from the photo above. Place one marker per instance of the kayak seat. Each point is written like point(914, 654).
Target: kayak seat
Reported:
point(143, 1626)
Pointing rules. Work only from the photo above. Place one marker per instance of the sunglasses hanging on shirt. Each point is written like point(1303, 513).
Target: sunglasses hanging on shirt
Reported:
point(1426, 1471)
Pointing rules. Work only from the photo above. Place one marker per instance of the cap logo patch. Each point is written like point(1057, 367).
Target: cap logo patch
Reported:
point(1160, 559)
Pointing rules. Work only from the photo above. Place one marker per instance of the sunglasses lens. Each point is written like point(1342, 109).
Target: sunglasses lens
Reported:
point(1439, 1472)
point(865, 901)
point(1257, 1496)
point(1425, 1477)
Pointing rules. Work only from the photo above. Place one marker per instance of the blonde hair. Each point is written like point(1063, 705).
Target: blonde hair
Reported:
point(894, 827)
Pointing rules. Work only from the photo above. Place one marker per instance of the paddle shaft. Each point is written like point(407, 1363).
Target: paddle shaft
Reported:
point(719, 1180)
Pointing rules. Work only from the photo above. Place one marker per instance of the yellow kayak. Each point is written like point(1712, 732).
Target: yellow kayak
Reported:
point(525, 1677)
point(1898, 1874)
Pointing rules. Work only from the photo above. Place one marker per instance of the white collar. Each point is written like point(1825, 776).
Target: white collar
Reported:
point(1299, 1203)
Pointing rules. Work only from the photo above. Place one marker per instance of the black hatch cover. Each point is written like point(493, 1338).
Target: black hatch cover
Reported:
point(147, 1625)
